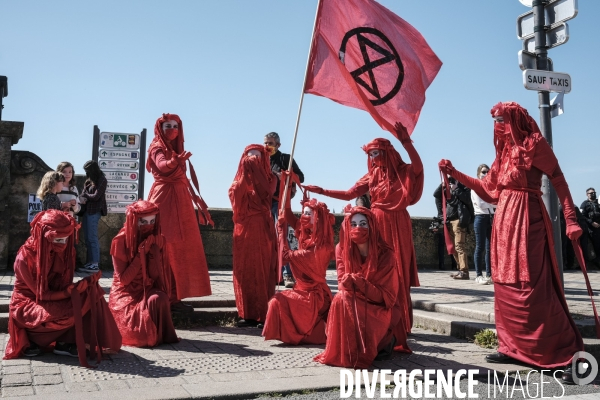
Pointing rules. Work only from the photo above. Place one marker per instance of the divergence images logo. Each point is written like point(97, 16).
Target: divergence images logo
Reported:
point(585, 368)
point(389, 63)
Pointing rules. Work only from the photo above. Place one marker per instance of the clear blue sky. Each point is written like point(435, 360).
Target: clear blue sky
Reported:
point(233, 71)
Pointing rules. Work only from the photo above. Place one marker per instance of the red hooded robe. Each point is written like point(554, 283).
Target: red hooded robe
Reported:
point(41, 308)
point(138, 296)
point(393, 186)
point(254, 240)
point(532, 318)
point(175, 197)
point(299, 315)
point(361, 321)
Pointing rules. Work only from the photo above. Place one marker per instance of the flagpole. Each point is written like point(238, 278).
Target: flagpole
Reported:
point(287, 181)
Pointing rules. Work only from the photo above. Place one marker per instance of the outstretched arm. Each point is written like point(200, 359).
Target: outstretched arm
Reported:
point(472, 183)
point(361, 187)
point(404, 137)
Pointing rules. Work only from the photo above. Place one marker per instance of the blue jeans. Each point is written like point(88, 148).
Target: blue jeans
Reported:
point(275, 211)
point(90, 228)
point(483, 234)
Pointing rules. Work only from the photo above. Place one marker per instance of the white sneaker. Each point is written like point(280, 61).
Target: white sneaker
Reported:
point(481, 280)
point(489, 280)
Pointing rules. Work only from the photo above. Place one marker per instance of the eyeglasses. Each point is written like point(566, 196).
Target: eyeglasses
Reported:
point(484, 171)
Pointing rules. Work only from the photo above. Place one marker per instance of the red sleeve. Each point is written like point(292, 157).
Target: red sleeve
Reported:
point(545, 160)
point(361, 187)
point(23, 273)
point(474, 184)
point(126, 271)
point(162, 163)
point(415, 159)
point(339, 264)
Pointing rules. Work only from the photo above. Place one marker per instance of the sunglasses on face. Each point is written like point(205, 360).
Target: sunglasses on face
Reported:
point(591, 193)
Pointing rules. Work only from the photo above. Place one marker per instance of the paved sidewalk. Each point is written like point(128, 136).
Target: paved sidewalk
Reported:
point(215, 362)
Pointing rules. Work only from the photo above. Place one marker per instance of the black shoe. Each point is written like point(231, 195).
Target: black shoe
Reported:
point(498, 358)
point(66, 349)
point(244, 323)
point(32, 351)
point(181, 307)
point(260, 325)
point(567, 376)
point(387, 352)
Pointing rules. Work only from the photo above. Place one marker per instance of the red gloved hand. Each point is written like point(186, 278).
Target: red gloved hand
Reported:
point(402, 133)
point(347, 282)
point(314, 189)
point(184, 156)
point(574, 231)
point(281, 225)
point(446, 167)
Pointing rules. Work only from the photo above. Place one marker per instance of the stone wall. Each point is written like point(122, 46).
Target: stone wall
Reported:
point(27, 171)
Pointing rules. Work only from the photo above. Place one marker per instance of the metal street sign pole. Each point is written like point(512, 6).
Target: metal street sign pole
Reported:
point(549, 195)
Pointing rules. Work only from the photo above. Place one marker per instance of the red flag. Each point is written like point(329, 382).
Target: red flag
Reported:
point(365, 56)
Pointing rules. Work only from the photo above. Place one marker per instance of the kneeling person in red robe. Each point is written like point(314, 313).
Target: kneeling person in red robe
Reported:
point(138, 296)
point(46, 307)
point(365, 312)
point(299, 315)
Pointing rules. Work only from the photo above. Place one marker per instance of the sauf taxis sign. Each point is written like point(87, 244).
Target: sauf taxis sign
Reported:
point(534, 79)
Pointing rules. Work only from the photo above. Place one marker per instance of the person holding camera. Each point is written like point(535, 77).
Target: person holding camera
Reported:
point(458, 217)
point(437, 228)
point(484, 216)
point(591, 213)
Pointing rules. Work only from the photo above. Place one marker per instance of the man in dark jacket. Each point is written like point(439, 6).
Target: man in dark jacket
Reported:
point(281, 161)
point(591, 213)
point(458, 218)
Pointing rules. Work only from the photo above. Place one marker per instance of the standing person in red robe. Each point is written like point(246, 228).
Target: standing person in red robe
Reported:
point(393, 185)
point(532, 318)
point(46, 306)
point(254, 240)
point(138, 296)
point(299, 315)
point(176, 198)
point(364, 318)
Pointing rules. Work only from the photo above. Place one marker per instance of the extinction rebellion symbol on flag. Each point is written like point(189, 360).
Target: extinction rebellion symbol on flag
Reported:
point(388, 63)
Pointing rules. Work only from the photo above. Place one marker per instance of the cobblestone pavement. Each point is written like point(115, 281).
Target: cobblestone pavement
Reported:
point(214, 362)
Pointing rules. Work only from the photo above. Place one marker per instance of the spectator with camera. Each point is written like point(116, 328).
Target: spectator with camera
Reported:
point(437, 228)
point(459, 216)
point(591, 213)
point(484, 216)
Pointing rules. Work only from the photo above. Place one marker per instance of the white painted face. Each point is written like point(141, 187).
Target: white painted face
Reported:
point(149, 220)
point(308, 211)
point(359, 220)
point(374, 153)
point(60, 240)
point(253, 153)
point(170, 124)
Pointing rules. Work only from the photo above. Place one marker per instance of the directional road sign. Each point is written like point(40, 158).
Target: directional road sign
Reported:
point(129, 197)
point(117, 208)
point(118, 164)
point(534, 79)
point(121, 176)
point(122, 186)
point(556, 11)
point(120, 154)
point(109, 140)
point(554, 37)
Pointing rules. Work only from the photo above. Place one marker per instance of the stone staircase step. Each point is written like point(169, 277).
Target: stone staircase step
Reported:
point(457, 310)
point(450, 325)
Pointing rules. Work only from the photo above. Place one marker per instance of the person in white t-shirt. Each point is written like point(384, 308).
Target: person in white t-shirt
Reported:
point(484, 216)
point(69, 196)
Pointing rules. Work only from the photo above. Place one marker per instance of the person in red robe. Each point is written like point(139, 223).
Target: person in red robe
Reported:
point(364, 318)
point(138, 296)
point(176, 198)
point(393, 185)
point(46, 306)
point(299, 315)
point(532, 318)
point(254, 240)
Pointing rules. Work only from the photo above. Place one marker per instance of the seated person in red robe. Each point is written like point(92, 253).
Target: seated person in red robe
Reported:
point(46, 307)
point(254, 238)
point(138, 296)
point(299, 315)
point(365, 312)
